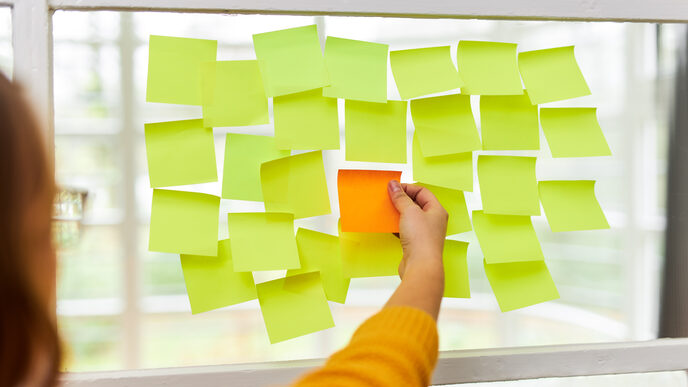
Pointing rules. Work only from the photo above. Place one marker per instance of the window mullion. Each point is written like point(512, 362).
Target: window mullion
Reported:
point(33, 51)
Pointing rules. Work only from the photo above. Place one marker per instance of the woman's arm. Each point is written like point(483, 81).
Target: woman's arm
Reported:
point(398, 345)
point(422, 228)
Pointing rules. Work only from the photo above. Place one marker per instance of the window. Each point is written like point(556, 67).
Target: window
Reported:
point(121, 306)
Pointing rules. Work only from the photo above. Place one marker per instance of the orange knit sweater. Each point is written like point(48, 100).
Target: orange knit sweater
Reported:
point(395, 347)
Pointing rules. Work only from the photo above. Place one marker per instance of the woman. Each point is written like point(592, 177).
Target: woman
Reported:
point(395, 347)
point(29, 349)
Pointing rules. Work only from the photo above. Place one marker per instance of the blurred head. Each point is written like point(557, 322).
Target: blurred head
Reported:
point(29, 349)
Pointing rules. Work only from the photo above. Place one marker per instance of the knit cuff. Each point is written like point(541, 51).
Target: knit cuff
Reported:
point(404, 322)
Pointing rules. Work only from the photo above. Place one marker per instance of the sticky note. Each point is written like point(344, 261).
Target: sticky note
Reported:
point(174, 69)
point(423, 71)
point(573, 132)
point(375, 132)
point(184, 222)
point(244, 153)
point(508, 185)
point(212, 283)
point(488, 68)
point(296, 184)
point(357, 70)
point(506, 238)
point(364, 203)
point(520, 284)
point(456, 284)
point(451, 171)
point(294, 306)
point(454, 203)
point(263, 241)
point(233, 94)
point(320, 252)
point(290, 60)
point(306, 120)
point(571, 205)
point(369, 254)
point(445, 125)
point(180, 153)
point(509, 122)
point(551, 75)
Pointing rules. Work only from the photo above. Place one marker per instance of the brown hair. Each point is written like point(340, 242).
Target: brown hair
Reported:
point(29, 346)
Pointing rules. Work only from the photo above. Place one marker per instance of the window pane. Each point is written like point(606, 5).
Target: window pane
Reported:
point(162, 273)
point(91, 343)
point(87, 86)
point(6, 41)
point(89, 156)
point(91, 163)
point(608, 280)
point(92, 268)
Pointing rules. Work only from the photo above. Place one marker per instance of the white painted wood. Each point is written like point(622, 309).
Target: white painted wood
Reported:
point(619, 10)
point(453, 367)
point(637, 158)
point(32, 46)
point(129, 228)
point(561, 361)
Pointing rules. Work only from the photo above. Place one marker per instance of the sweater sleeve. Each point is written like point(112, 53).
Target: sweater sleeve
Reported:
point(395, 347)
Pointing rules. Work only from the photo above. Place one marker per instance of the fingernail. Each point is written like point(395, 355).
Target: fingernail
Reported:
point(394, 186)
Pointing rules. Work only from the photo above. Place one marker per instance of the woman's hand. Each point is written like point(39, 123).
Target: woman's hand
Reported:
point(422, 226)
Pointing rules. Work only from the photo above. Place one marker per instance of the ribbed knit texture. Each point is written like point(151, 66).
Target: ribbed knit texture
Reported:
point(395, 347)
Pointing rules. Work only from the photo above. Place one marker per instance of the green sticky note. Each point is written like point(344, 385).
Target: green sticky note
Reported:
point(454, 203)
point(520, 284)
point(233, 94)
point(180, 153)
point(244, 153)
point(184, 222)
point(263, 241)
point(174, 69)
point(551, 75)
point(369, 254)
point(294, 306)
point(571, 205)
point(509, 122)
point(320, 252)
point(445, 125)
point(451, 171)
point(456, 284)
point(296, 184)
point(573, 132)
point(508, 185)
point(375, 132)
point(290, 60)
point(212, 283)
point(506, 238)
point(306, 120)
point(488, 68)
point(423, 71)
point(357, 70)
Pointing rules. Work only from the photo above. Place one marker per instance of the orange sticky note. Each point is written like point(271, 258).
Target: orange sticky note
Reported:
point(364, 203)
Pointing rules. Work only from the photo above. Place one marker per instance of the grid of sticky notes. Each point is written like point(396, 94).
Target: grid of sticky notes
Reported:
point(286, 172)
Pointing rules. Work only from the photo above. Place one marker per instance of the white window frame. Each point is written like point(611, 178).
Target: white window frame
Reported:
point(32, 42)
point(454, 367)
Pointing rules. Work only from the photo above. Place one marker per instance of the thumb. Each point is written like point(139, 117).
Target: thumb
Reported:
point(399, 198)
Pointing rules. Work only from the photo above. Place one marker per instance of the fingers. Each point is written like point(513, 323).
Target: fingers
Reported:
point(421, 195)
point(398, 196)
